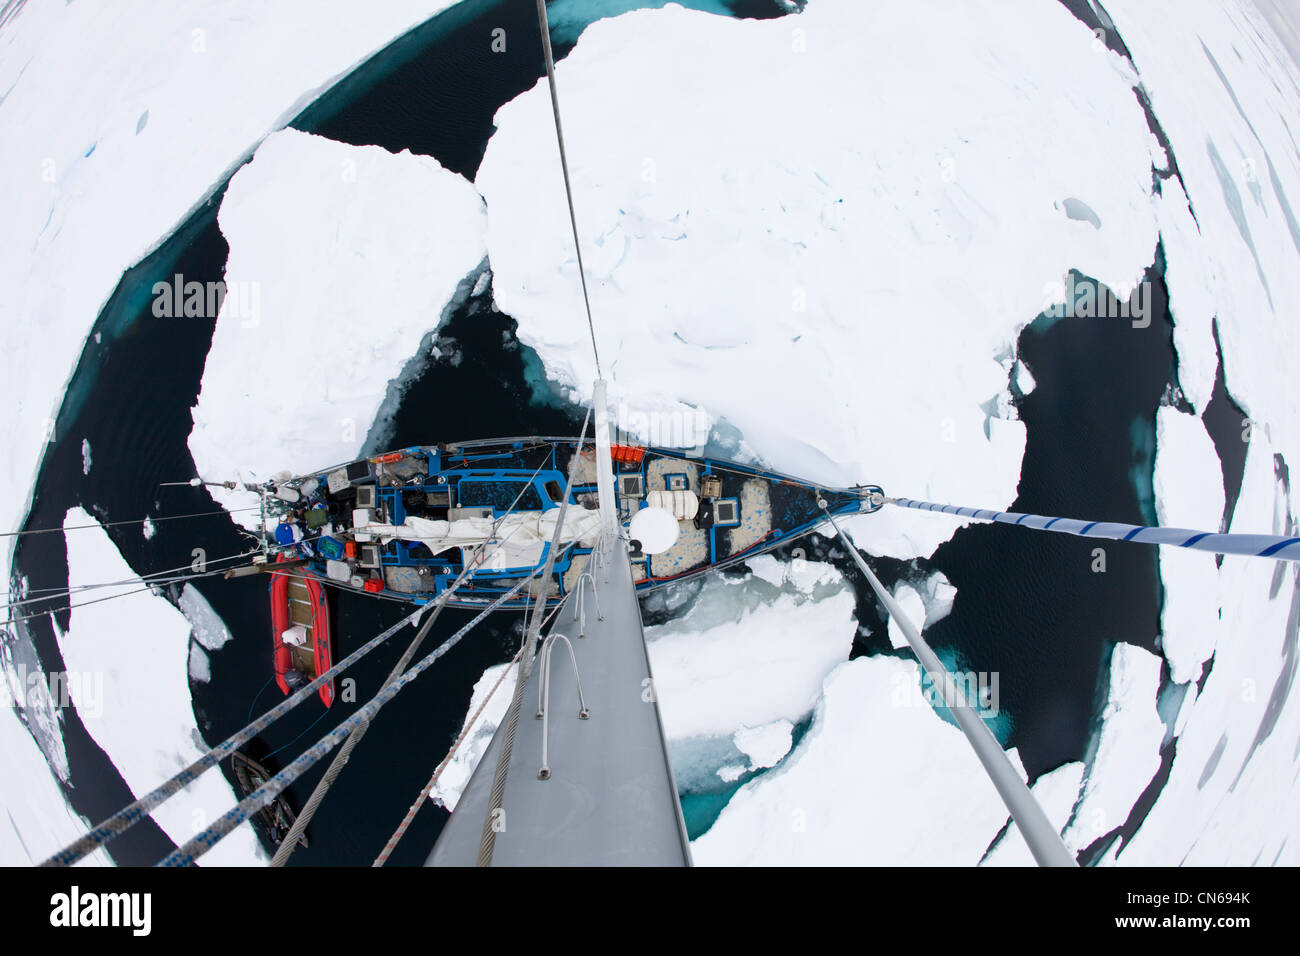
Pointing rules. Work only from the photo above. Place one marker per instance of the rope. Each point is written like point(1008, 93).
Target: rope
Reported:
point(400, 832)
point(111, 597)
point(564, 165)
point(154, 579)
point(204, 841)
point(325, 713)
point(285, 850)
point(488, 836)
point(258, 697)
point(402, 827)
point(130, 815)
point(290, 841)
point(384, 854)
point(113, 524)
point(1278, 547)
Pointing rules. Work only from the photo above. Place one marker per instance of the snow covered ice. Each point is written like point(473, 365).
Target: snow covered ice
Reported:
point(846, 245)
point(733, 674)
point(849, 792)
point(137, 707)
point(333, 236)
point(771, 203)
point(117, 122)
point(943, 248)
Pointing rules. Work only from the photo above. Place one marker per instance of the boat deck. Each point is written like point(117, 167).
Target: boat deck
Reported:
point(570, 819)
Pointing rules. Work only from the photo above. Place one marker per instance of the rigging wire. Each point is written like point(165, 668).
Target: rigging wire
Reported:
point(111, 524)
point(112, 597)
point(167, 576)
point(205, 840)
point(1278, 547)
point(488, 834)
point(130, 815)
point(290, 841)
point(564, 165)
point(324, 714)
point(1040, 834)
point(258, 697)
point(423, 795)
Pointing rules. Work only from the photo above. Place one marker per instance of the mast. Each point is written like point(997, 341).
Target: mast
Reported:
point(582, 769)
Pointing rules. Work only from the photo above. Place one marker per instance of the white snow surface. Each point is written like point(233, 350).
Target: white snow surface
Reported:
point(568, 18)
point(798, 574)
point(40, 821)
point(766, 745)
point(1232, 793)
point(740, 658)
point(745, 663)
point(871, 783)
point(1192, 298)
point(138, 646)
point(1234, 138)
point(1189, 494)
point(200, 663)
point(1024, 378)
point(1227, 95)
point(939, 596)
point(209, 629)
point(209, 632)
point(1127, 746)
point(117, 121)
point(910, 601)
point(455, 775)
point(1056, 793)
point(351, 245)
point(739, 223)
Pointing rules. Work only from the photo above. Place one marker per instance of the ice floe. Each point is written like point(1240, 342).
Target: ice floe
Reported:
point(1125, 753)
point(1056, 792)
point(332, 238)
point(116, 123)
point(910, 601)
point(1189, 494)
point(875, 780)
point(131, 657)
point(1227, 95)
point(760, 252)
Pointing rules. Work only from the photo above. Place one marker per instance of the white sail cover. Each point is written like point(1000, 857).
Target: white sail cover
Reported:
point(683, 503)
point(517, 541)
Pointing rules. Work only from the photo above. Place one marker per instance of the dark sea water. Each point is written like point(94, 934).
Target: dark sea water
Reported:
point(1028, 604)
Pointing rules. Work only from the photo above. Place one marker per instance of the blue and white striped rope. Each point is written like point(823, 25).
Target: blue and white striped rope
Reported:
point(191, 851)
point(1278, 547)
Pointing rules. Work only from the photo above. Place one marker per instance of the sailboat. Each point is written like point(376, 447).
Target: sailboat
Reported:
point(528, 522)
point(406, 525)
